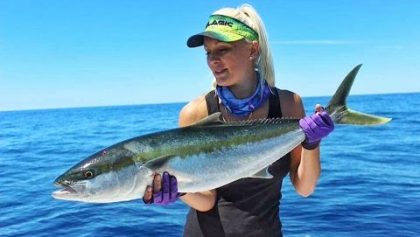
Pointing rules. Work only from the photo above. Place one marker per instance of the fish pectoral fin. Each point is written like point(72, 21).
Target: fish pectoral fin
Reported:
point(262, 174)
point(213, 119)
point(158, 162)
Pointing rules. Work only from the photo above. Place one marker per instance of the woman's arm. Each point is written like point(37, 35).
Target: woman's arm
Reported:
point(305, 169)
point(202, 201)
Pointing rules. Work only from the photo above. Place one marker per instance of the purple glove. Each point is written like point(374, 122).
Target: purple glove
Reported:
point(316, 127)
point(168, 193)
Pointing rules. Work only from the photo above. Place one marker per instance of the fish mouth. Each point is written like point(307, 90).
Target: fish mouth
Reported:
point(65, 192)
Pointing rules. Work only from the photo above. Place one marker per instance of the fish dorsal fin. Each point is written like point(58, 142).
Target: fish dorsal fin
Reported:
point(212, 119)
point(263, 174)
point(217, 119)
point(262, 121)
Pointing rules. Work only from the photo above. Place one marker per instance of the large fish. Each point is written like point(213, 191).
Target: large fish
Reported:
point(204, 156)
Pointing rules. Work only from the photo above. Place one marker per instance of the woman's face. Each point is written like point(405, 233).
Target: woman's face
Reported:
point(229, 62)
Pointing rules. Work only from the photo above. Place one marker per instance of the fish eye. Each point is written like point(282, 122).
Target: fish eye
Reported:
point(88, 174)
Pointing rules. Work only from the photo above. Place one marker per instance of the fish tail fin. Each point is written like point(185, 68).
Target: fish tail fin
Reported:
point(341, 114)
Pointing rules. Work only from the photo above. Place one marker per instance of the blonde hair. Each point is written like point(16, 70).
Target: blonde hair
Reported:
point(248, 15)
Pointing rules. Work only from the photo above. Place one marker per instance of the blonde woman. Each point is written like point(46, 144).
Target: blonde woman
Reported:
point(239, 57)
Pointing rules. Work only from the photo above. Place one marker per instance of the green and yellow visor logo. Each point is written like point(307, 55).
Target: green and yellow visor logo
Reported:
point(223, 28)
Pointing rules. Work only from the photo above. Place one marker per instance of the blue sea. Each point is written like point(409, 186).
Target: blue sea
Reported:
point(369, 186)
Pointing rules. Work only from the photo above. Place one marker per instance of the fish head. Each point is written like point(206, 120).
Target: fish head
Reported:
point(107, 176)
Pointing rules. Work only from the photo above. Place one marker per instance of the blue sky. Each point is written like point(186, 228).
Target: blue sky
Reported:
point(56, 54)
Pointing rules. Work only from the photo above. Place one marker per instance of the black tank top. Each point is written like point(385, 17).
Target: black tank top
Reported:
point(247, 207)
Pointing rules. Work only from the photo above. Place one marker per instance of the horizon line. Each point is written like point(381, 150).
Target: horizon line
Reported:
point(175, 102)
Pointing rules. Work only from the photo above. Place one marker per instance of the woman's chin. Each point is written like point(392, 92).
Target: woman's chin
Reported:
point(223, 81)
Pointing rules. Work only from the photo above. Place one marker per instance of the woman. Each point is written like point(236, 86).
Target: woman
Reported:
point(239, 57)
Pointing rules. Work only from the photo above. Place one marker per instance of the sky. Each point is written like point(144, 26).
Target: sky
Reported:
point(76, 53)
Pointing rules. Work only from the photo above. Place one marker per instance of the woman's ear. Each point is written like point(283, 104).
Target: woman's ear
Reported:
point(255, 49)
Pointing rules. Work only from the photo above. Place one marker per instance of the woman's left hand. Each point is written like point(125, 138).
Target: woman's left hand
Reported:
point(316, 127)
point(164, 190)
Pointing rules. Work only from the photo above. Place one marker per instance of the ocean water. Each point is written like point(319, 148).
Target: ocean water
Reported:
point(370, 182)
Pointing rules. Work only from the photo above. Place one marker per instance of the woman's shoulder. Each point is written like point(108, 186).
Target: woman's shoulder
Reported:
point(291, 104)
point(288, 96)
point(193, 111)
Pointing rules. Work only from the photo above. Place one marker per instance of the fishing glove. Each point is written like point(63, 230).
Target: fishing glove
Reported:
point(168, 192)
point(316, 127)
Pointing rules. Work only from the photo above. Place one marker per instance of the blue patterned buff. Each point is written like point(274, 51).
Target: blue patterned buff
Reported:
point(244, 107)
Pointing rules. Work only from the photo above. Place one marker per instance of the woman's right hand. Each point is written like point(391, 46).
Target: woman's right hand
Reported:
point(163, 191)
point(316, 127)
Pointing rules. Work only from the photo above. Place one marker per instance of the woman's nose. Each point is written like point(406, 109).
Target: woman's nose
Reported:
point(213, 57)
